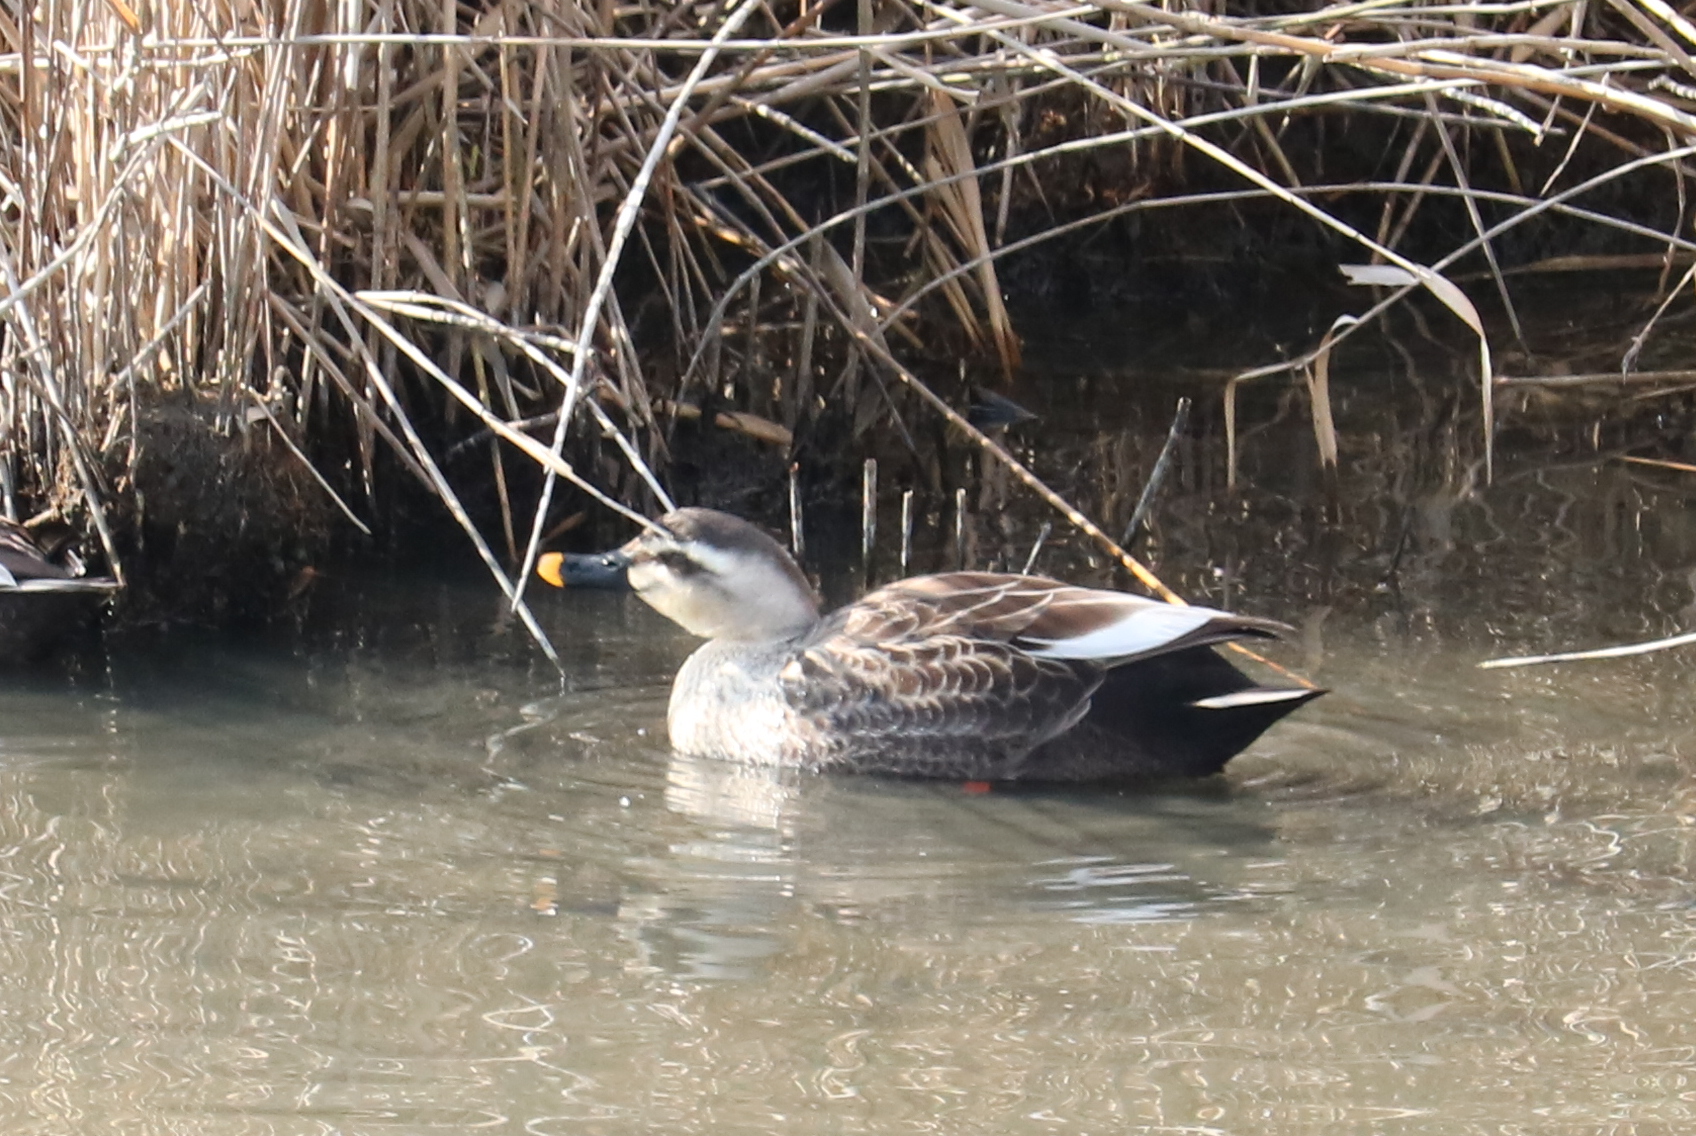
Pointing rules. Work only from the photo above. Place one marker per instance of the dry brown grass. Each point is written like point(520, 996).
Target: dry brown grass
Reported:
point(530, 217)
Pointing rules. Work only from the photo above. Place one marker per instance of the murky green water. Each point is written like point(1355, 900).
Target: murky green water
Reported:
point(388, 878)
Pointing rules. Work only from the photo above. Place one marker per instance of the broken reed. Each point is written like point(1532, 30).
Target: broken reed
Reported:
point(519, 217)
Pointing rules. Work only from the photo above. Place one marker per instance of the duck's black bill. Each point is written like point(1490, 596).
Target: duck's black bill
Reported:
point(576, 570)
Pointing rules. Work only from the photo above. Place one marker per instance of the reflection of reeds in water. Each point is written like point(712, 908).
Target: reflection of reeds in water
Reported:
point(565, 228)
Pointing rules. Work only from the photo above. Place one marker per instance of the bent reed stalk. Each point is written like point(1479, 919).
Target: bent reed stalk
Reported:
point(558, 227)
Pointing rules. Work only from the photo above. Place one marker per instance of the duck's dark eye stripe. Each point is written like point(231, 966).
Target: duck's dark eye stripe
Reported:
point(679, 562)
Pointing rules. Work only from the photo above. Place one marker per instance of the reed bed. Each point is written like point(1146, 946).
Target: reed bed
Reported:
point(369, 238)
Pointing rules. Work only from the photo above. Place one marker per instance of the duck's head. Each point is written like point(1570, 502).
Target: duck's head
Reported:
point(715, 575)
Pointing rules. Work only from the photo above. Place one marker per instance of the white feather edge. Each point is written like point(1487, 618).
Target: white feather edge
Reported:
point(1145, 627)
point(1252, 697)
point(38, 585)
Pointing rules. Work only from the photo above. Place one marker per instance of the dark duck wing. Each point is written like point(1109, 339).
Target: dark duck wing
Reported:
point(42, 601)
point(1182, 714)
point(26, 566)
point(908, 681)
point(991, 676)
point(22, 558)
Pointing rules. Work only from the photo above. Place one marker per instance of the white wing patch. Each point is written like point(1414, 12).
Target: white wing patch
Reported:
point(1146, 627)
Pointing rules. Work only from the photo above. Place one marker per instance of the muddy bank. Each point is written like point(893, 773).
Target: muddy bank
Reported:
point(231, 527)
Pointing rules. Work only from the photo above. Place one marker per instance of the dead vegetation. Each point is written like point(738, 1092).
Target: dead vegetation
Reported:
point(372, 234)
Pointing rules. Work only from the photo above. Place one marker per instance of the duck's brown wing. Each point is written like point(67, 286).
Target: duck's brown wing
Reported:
point(886, 684)
point(1048, 619)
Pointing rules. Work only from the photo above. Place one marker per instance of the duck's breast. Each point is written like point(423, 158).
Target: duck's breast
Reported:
point(726, 703)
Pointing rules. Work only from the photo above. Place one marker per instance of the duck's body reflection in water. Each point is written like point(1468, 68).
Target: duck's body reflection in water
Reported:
point(765, 846)
point(760, 797)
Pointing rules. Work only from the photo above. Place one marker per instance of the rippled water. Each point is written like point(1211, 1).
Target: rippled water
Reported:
point(389, 878)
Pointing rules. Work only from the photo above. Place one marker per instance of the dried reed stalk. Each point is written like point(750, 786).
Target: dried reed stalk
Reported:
point(573, 218)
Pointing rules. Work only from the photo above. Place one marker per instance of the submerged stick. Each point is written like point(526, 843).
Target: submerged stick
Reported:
point(797, 542)
point(1620, 652)
point(8, 487)
point(868, 515)
point(1601, 378)
point(1659, 463)
point(1042, 535)
point(1156, 478)
point(906, 529)
point(960, 528)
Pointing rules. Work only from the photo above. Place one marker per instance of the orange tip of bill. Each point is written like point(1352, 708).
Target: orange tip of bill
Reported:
point(549, 568)
point(975, 788)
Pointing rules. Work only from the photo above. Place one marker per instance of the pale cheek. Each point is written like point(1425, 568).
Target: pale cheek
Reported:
point(645, 577)
point(653, 587)
point(697, 609)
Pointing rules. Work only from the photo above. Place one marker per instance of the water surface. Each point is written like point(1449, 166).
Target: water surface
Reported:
point(384, 875)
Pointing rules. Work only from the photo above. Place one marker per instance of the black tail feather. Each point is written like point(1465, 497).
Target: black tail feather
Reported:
point(1154, 702)
point(1144, 721)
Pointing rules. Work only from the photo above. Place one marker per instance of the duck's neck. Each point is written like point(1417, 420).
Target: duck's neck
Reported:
point(766, 631)
point(750, 615)
point(772, 615)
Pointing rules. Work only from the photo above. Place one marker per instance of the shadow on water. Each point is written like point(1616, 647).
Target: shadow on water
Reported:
point(379, 872)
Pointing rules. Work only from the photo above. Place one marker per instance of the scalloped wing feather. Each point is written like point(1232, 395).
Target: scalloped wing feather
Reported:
point(1045, 618)
point(907, 685)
